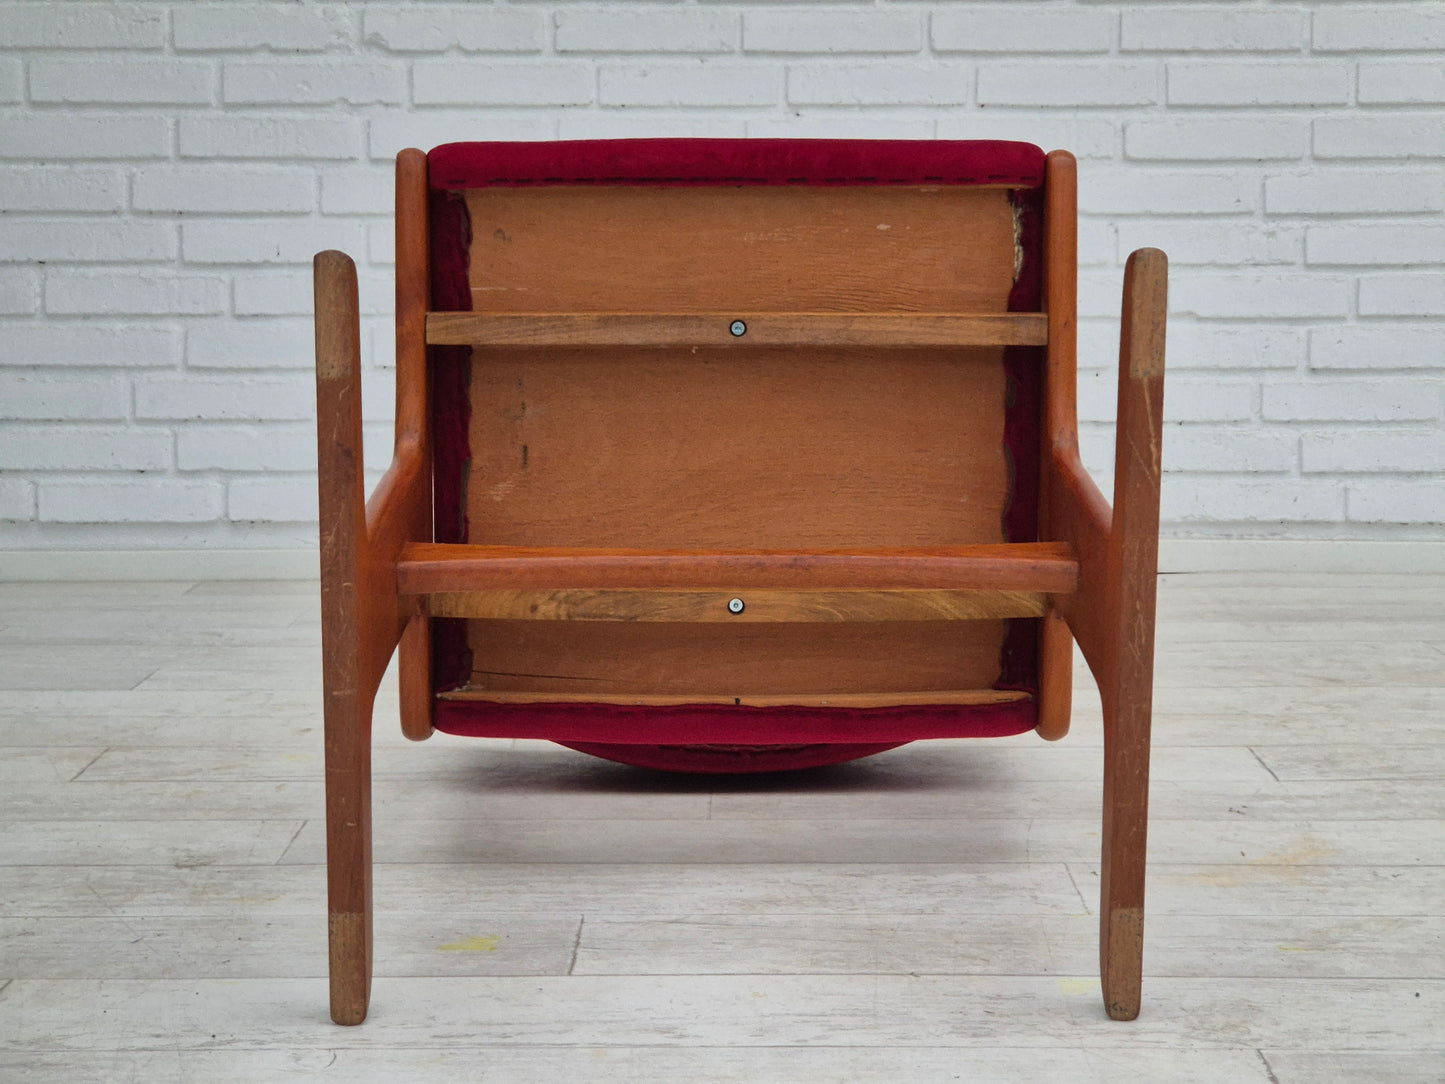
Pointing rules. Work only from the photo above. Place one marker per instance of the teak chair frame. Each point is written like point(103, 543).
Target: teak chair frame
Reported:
point(379, 572)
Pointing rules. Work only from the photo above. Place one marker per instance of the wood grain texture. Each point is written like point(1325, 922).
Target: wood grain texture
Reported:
point(363, 616)
point(1056, 663)
point(826, 451)
point(715, 330)
point(753, 249)
point(1060, 422)
point(414, 678)
point(348, 642)
point(831, 700)
point(814, 451)
point(1132, 576)
point(413, 299)
point(1061, 290)
point(636, 659)
point(1032, 566)
point(760, 605)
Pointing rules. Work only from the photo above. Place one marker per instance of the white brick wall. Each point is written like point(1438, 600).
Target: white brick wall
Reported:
point(167, 170)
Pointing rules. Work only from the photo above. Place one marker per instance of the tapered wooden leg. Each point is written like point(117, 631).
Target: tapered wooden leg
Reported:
point(1126, 813)
point(1127, 690)
point(348, 860)
point(1056, 676)
point(413, 673)
point(347, 703)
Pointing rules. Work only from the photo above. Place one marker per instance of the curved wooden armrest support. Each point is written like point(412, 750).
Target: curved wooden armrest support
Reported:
point(1117, 549)
point(362, 616)
point(1112, 614)
point(1080, 513)
point(361, 541)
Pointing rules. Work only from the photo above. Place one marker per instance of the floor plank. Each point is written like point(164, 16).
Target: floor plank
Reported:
point(922, 842)
point(916, 915)
point(715, 1010)
point(698, 1064)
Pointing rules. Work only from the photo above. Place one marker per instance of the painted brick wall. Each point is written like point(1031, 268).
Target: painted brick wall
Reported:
point(167, 171)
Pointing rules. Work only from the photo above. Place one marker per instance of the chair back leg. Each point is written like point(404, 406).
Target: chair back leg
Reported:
point(347, 692)
point(1126, 690)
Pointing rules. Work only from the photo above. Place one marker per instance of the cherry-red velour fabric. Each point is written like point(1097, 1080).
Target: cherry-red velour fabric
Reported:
point(679, 162)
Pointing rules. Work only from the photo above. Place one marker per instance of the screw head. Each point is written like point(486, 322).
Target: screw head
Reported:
point(735, 605)
point(739, 329)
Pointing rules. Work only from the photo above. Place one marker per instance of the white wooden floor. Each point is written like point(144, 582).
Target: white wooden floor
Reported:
point(925, 915)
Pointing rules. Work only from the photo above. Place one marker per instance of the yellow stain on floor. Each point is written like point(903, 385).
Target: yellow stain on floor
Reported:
point(485, 943)
point(1286, 865)
point(1078, 986)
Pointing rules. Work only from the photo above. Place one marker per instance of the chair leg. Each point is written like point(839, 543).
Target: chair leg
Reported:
point(1128, 685)
point(347, 688)
point(1126, 815)
point(348, 855)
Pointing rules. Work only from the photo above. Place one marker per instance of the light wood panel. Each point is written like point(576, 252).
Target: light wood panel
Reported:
point(832, 700)
point(637, 659)
point(772, 605)
point(733, 330)
point(817, 451)
point(827, 451)
point(1028, 566)
point(800, 248)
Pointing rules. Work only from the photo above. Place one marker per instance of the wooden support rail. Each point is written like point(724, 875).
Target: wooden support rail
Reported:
point(772, 700)
point(744, 606)
point(732, 329)
point(1037, 567)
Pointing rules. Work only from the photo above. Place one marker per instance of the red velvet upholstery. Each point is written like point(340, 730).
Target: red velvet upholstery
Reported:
point(724, 738)
point(736, 161)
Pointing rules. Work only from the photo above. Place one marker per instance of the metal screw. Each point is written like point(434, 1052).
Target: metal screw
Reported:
point(735, 605)
point(739, 329)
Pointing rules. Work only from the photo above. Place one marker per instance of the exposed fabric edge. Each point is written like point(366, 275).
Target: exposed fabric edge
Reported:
point(1180, 555)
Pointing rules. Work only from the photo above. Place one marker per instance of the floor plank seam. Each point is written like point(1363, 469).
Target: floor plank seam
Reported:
point(1263, 765)
point(1268, 1069)
point(576, 945)
point(1077, 890)
point(76, 777)
point(281, 858)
